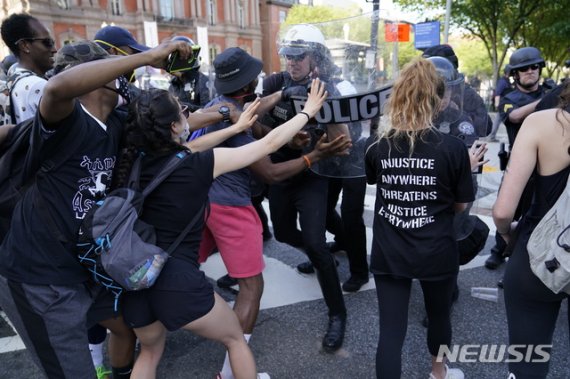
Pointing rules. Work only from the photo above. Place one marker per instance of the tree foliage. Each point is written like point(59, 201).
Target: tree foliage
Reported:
point(498, 24)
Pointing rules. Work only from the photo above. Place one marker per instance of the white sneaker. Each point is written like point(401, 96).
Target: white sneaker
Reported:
point(450, 373)
point(263, 375)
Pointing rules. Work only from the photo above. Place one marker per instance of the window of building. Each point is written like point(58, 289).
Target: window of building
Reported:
point(64, 4)
point(116, 8)
point(241, 14)
point(282, 16)
point(212, 12)
point(167, 9)
point(213, 52)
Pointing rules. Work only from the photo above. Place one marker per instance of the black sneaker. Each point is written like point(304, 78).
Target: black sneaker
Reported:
point(226, 281)
point(494, 261)
point(354, 283)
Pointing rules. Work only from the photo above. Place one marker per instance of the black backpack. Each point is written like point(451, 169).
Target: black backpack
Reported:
point(119, 249)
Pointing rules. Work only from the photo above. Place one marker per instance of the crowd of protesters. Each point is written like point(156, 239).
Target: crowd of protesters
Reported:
point(85, 106)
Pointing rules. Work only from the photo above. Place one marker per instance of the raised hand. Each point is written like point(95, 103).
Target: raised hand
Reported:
point(316, 98)
point(300, 140)
point(476, 153)
point(247, 117)
point(159, 54)
point(337, 147)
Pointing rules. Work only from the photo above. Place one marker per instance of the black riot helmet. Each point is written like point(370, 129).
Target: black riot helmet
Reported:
point(446, 70)
point(525, 56)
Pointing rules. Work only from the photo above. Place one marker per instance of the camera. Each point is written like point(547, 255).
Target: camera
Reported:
point(175, 63)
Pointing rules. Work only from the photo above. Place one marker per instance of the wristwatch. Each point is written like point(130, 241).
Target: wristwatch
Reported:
point(225, 112)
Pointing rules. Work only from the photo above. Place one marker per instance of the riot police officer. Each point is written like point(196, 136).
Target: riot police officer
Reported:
point(473, 104)
point(525, 68)
point(305, 195)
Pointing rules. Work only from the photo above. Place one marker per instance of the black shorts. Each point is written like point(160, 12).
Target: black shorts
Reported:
point(181, 295)
point(104, 306)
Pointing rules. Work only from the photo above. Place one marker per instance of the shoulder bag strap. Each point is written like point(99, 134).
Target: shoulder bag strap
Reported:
point(165, 171)
point(16, 77)
point(197, 216)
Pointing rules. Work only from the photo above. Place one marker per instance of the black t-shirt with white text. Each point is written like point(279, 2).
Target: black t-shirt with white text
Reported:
point(413, 235)
point(31, 253)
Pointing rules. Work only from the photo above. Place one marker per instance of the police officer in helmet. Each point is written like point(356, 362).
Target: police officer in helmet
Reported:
point(305, 195)
point(525, 68)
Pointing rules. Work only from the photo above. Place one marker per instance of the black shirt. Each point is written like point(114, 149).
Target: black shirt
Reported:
point(30, 252)
point(511, 101)
point(413, 234)
point(173, 204)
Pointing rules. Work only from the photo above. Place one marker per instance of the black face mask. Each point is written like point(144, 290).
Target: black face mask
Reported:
point(122, 90)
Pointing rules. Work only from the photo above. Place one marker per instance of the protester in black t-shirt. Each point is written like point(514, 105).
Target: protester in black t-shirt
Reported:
point(423, 177)
point(182, 296)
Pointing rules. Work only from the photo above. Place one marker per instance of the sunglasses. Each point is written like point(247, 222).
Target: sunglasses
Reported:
point(185, 111)
point(296, 58)
point(532, 67)
point(47, 42)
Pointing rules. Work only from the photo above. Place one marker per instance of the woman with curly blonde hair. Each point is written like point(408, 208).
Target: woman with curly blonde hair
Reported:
point(422, 177)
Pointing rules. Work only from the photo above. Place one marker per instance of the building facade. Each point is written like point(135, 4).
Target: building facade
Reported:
point(222, 23)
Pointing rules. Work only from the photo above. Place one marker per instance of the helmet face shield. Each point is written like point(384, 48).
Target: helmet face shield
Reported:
point(291, 49)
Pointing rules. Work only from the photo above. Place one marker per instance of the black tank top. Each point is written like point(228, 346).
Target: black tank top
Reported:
point(547, 190)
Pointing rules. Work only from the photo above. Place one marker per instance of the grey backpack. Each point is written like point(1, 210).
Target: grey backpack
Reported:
point(117, 248)
point(549, 245)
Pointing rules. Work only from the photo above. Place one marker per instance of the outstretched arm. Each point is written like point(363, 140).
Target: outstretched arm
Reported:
point(62, 89)
point(226, 160)
point(210, 140)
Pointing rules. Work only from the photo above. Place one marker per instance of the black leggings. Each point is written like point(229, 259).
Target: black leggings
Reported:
point(532, 310)
point(393, 298)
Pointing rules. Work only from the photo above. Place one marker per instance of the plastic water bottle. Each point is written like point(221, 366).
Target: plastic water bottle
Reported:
point(485, 293)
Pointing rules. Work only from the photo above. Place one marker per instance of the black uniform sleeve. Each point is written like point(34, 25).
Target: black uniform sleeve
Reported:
point(371, 160)
point(272, 83)
point(464, 183)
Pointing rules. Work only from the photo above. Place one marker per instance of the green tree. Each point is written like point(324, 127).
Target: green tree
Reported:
point(496, 23)
point(549, 32)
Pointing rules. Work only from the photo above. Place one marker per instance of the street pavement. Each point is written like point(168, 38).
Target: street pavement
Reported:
point(291, 324)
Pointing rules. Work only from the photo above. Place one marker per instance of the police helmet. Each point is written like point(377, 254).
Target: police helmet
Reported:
point(446, 70)
point(525, 56)
point(507, 69)
point(195, 50)
point(302, 38)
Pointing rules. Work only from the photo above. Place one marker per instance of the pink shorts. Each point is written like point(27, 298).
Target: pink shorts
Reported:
point(237, 233)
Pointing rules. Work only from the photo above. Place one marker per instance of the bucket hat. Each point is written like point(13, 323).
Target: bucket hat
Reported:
point(235, 69)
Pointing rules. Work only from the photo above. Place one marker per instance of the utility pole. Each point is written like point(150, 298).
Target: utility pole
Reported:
point(446, 24)
point(374, 42)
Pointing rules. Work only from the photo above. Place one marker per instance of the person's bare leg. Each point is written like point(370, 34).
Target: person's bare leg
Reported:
point(221, 324)
point(122, 342)
point(247, 302)
point(152, 338)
